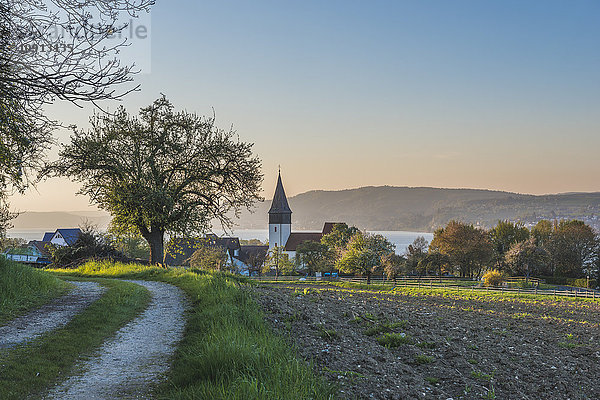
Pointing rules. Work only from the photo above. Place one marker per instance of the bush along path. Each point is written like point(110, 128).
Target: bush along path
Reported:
point(50, 316)
point(128, 365)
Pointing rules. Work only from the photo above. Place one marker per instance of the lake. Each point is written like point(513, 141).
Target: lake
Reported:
point(399, 238)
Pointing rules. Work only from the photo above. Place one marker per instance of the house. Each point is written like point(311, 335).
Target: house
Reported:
point(62, 237)
point(250, 259)
point(36, 253)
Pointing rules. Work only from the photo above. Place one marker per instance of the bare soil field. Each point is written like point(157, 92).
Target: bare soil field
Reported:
point(428, 345)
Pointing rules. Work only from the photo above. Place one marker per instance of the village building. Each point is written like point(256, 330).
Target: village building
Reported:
point(249, 259)
point(36, 252)
point(280, 225)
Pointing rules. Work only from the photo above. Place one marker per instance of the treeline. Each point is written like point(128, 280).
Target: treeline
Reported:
point(561, 250)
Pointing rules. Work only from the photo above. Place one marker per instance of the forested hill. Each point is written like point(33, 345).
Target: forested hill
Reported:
point(423, 209)
point(383, 208)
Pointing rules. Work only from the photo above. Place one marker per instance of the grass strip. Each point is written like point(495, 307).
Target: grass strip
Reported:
point(450, 292)
point(23, 287)
point(228, 351)
point(27, 370)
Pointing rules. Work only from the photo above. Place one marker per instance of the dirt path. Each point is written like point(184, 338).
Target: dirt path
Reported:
point(128, 365)
point(50, 316)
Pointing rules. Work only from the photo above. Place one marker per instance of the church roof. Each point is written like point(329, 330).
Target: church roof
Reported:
point(298, 237)
point(280, 204)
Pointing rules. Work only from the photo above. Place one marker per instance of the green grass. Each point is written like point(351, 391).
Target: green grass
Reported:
point(448, 292)
point(328, 334)
point(26, 371)
point(432, 380)
point(394, 339)
point(481, 375)
point(23, 287)
point(423, 359)
point(228, 351)
point(385, 327)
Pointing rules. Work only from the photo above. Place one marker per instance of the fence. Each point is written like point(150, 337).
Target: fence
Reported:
point(458, 284)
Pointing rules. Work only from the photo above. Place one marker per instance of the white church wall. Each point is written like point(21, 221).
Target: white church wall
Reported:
point(279, 234)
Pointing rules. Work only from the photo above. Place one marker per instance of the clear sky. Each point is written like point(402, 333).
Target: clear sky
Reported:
point(480, 94)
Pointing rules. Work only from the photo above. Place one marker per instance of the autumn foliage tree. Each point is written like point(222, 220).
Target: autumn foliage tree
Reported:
point(162, 172)
point(393, 265)
point(504, 235)
point(527, 259)
point(467, 247)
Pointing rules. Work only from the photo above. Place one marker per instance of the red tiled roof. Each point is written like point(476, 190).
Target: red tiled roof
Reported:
point(298, 237)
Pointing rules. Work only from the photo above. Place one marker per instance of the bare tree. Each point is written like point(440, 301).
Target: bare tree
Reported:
point(49, 50)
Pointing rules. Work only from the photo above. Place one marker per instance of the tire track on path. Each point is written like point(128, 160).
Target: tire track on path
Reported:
point(50, 316)
point(128, 365)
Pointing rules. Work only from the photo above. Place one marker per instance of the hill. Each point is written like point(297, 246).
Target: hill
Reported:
point(384, 208)
point(424, 209)
point(52, 220)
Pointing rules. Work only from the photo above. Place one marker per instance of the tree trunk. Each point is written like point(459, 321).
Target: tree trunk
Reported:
point(368, 279)
point(155, 240)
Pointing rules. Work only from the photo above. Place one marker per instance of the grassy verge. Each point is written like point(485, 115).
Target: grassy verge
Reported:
point(23, 287)
point(28, 370)
point(455, 293)
point(228, 351)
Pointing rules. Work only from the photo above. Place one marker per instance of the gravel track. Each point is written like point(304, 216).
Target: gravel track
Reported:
point(128, 365)
point(50, 316)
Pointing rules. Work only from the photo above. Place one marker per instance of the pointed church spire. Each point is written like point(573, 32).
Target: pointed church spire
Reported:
point(280, 209)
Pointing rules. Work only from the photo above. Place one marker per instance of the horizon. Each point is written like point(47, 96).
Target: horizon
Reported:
point(267, 199)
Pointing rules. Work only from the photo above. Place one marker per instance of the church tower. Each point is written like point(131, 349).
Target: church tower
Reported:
point(280, 217)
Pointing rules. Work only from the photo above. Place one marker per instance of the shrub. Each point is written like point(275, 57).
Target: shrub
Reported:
point(493, 278)
point(88, 246)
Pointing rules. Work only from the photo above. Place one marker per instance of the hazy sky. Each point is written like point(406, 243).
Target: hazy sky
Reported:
point(480, 94)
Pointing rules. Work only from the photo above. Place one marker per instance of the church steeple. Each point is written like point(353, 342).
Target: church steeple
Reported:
point(280, 212)
point(280, 217)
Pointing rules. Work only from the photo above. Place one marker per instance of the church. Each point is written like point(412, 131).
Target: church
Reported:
point(280, 225)
point(249, 259)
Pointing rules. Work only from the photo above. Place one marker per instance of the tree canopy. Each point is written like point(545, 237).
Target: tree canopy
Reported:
point(467, 247)
point(163, 171)
point(363, 254)
point(277, 260)
point(503, 236)
point(527, 259)
point(55, 49)
point(314, 256)
point(338, 238)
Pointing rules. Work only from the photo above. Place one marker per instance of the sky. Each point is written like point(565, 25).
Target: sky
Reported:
point(500, 95)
